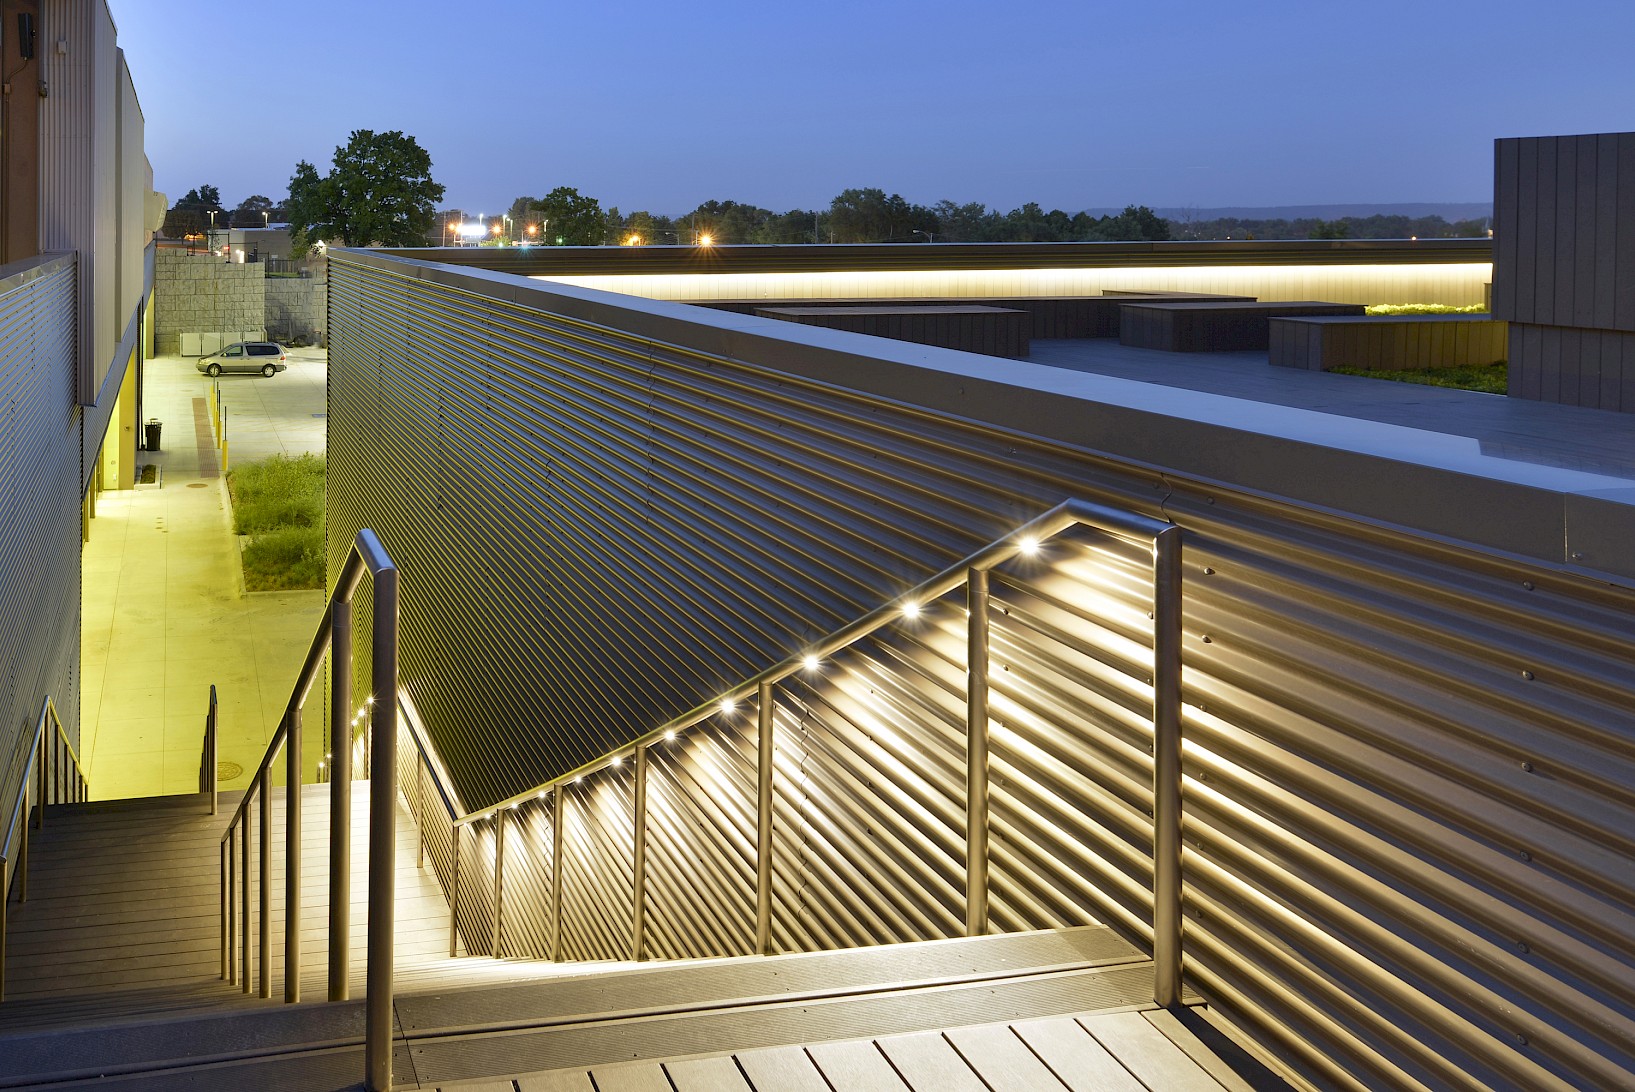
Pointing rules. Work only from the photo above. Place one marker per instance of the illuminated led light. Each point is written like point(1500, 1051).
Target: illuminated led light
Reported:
point(618, 760)
point(515, 804)
point(671, 734)
point(706, 240)
point(810, 662)
point(1028, 546)
point(728, 705)
point(911, 610)
point(369, 700)
point(578, 779)
point(540, 795)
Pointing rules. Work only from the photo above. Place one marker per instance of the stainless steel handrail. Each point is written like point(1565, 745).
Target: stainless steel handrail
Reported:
point(53, 771)
point(1162, 538)
point(334, 634)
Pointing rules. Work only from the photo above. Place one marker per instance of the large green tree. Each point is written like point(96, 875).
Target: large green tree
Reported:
point(379, 192)
point(565, 217)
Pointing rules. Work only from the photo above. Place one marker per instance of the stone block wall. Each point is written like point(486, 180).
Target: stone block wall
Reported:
point(200, 292)
point(297, 309)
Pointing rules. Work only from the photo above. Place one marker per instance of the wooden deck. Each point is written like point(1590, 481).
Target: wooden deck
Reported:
point(123, 913)
point(1090, 1052)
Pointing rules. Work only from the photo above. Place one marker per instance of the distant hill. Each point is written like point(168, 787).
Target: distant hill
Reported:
point(1451, 211)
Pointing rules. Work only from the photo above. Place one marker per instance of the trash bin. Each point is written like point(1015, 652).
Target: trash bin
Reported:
point(153, 428)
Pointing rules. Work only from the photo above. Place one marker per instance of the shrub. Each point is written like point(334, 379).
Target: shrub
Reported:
point(1489, 378)
point(277, 492)
point(1424, 309)
point(285, 559)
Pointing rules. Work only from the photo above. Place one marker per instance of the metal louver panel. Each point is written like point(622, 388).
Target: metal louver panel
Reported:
point(1409, 818)
point(40, 436)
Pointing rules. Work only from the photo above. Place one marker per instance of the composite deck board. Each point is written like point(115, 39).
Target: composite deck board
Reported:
point(125, 900)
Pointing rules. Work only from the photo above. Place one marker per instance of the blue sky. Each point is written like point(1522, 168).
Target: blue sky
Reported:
point(659, 106)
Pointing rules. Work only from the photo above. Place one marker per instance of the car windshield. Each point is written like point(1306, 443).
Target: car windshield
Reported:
point(233, 350)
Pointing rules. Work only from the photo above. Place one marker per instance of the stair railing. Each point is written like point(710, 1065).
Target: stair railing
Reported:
point(208, 771)
point(52, 775)
point(1164, 541)
point(334, 636)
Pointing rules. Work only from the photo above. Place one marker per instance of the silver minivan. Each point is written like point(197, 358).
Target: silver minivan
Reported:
point(266, 357)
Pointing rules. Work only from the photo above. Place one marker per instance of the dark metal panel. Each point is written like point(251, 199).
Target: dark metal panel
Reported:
point(1545, 258)
point(1565, 203)
point(1586, 205)
point(1623, 315)
point(1607, 238)
point(1506, 227)
point(1527, 232)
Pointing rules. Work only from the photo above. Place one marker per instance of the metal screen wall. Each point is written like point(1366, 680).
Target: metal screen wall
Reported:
point(39, 508)
point(1409, 815)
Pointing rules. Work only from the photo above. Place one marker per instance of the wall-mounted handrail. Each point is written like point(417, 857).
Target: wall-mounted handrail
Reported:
point(52, 775)
point(334, 633)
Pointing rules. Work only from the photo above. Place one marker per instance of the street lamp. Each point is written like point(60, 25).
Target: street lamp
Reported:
point(266, 218)
point(706, 239)
point(507, 221)
point(929, 237)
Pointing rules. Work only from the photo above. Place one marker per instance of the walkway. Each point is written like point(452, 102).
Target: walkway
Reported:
point(163, 612)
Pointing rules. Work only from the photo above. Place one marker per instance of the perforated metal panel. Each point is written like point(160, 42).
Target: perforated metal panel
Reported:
point(39, 507)
point(1409, 815)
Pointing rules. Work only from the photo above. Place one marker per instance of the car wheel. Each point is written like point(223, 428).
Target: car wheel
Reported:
point(269, 371)
point(213, 370)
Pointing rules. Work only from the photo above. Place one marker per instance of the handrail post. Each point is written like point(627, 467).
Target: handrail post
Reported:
point(244, 889)
point(638, 907)
point(264, 972)
point(230, 890)
point(292, 857)
point(558, 812)
point(419, 809)
point(44, 781)
point(976, 754)
point(225, 869)
point(340, 798)
point(455, 832)
point(210, 731)
point(382, 834)
point(1166, 767)
point(499, 883)
point(763, 819)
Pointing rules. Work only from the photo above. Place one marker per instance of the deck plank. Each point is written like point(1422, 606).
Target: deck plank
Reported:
point(574, 1080)
point(928, 1064)
point(1003, 1061)
point(1075, 1056)
point(855, 1065)
point(781, 1069)
point(636, 1077)
point(1147, 1053)
point(719, 1074)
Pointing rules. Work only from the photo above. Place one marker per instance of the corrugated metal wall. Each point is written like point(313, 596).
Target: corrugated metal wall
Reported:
point(39, 507)
point(1409, 815)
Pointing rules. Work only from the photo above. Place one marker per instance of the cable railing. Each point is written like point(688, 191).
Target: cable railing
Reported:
point(334, 639)
point(52, 775)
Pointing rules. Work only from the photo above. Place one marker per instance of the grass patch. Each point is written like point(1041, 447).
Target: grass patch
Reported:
point(280, 502)
point(277, 492)
point(1423, 309)
point(287, 559)
point(1487, 378)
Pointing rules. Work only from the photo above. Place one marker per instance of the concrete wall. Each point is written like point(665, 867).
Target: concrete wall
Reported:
point(201, 293)
point(297, 309)
point(1564, 266)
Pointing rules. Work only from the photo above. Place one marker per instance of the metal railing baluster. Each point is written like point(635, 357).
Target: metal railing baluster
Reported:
point(340, 799)
point(264, 971)
point(455, 833)
point(292, 857)
point(764, 719)
point(1166, 768)
point(976, 753)
point(638, 908)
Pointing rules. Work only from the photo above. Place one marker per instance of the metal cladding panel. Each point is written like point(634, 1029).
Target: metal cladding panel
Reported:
point(1409, 818)
point(700, 884)
point(869, 794)
point(39, 507)
point(598, 867)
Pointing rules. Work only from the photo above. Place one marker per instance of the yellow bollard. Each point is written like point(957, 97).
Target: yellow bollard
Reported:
point(224, 457)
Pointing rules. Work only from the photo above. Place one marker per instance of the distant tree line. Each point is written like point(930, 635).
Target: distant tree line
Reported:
point(1347, 227)
point(191, 214)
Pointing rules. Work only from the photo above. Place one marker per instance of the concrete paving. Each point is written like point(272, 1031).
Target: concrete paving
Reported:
point(164, 614)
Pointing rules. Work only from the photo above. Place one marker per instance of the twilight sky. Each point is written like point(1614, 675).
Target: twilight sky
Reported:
point(657, 105)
